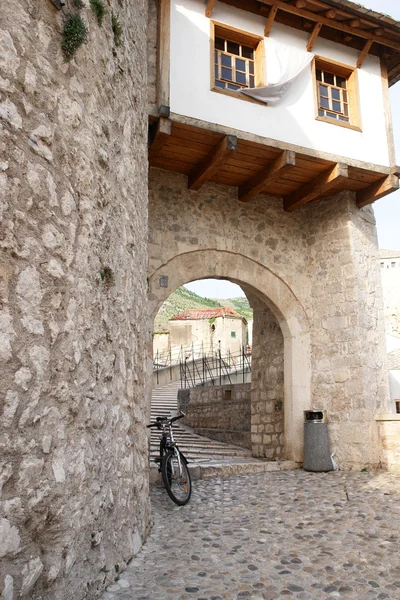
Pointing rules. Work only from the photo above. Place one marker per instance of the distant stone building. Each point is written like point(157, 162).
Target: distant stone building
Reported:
point(210, 329)
point(390, 271)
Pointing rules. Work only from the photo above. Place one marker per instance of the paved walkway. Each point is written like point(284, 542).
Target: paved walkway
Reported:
point(272, 535)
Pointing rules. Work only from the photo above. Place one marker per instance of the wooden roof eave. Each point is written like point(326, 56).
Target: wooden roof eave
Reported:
point(352, 25)
point(207, 152)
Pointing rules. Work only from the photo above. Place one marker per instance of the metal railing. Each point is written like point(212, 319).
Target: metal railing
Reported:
point(215, 368)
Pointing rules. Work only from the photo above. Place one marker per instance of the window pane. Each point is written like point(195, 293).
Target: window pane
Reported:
point(342, 118)
point(335, 94)
point(251, 81)
point(344, 96)
point(329, 78)
point(220, 84)
point(219, 43)
point(346, 110)
point(226, 73)
point(323, 90)
point(331, 115)
point(226, 60)
point(216, 71)
point(232, 86)
point(240, 77)
point(251, 68)
point(319, 75)
point(240, 64)
point(337, 106)
point(321, 113)
point(324, 102)
point(340, 82)
point(232, 47)
point(247, 52)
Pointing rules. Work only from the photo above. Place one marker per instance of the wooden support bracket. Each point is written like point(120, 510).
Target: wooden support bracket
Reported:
point(270, 20)
point(256, 184)
point(363, 53)
point(313, 36)
point(377, 190)
point(159, 136)
point(346, 26)
point(209, 8)
point(330, 14)
point(212, 162)
point(320, 185)
point(354, 23)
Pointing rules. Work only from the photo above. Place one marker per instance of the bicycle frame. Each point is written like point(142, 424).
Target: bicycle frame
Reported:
point(172, 463)
point(168, 442)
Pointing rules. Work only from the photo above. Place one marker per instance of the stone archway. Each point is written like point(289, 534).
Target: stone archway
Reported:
point(278, 297)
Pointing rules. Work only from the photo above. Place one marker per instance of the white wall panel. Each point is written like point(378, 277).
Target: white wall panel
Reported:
point(293, 120)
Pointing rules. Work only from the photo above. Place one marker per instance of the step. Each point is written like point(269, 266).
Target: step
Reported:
point(230, 467)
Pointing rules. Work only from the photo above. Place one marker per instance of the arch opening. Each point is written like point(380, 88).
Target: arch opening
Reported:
point(272, 292)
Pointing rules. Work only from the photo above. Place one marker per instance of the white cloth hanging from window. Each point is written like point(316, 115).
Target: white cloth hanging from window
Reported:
point(284, 65)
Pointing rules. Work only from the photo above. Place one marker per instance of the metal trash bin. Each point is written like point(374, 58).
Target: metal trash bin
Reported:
point(317, 456)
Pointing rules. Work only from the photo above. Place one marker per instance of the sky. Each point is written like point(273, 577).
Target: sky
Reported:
point(387, 210)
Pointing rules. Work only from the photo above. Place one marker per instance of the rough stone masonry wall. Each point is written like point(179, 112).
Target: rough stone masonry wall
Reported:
point(220, 412)
point(349, 371)
point(326, 253)
point(267, 393)
point(73, 325)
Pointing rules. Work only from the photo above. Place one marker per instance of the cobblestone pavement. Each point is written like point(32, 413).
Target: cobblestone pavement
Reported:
point(272, 535)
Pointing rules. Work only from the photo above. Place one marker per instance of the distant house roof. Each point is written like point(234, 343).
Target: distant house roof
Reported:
point(394, 360)
point(389, 253)
point(208, 313)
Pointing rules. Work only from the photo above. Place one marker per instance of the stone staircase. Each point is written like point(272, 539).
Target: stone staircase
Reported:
point(207, 458)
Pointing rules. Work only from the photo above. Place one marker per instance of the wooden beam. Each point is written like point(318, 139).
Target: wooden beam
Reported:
point(394, 73)
point(320, 185)
point(363, 53)
point(163, 51)
point(313, 36)
point(212, 162)
point(301, 3)
point(285, 161)
point(388, 113)
point(270, 21)
point(355, 23)
point(330, 14)
point(159, 136)
point(377, 190)
point(209, 8)
point(339, 25)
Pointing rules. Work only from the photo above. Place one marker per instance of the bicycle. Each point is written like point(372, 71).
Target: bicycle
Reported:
point(172, 463)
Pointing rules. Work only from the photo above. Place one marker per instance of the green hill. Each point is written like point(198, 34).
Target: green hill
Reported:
point(183, 299)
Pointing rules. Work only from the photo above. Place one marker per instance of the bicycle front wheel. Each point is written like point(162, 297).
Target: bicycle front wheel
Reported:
point(176, 478)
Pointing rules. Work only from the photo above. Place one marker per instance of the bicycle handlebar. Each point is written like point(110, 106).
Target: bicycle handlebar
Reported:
point(165, 420)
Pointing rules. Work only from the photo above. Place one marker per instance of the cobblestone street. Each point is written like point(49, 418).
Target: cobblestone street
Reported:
point(272, 535)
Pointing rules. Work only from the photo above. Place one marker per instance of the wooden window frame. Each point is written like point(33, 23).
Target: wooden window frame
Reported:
point(242, 37)
point(351, 76)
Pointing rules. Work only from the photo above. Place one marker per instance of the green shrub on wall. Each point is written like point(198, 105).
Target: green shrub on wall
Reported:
point(99, 9)
point(75, 34)
point(117, 29)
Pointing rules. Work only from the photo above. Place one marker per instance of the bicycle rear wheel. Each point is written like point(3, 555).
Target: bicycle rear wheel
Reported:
point(176, 478)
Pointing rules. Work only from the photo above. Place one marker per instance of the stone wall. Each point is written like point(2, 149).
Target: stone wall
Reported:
point(220, 412)
point(317, 271)
point(389, 436)
point(349, 371)
point(73, 328)
point(267, 393)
